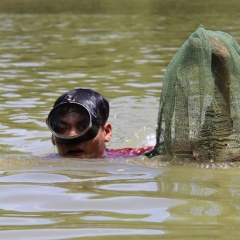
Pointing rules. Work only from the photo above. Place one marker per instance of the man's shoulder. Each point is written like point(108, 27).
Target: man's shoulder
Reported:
point(126, 152)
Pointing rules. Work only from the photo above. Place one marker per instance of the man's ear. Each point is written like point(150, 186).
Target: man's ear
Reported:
point(53, 141)
point(108, 132)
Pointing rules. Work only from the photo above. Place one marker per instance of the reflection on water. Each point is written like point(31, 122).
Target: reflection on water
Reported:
point(115, 198)
point(120, 49)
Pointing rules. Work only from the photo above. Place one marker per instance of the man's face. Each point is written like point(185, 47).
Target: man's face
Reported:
point(93, 148)
point(73, 122)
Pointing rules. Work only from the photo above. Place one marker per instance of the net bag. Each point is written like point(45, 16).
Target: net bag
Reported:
point(199, 111)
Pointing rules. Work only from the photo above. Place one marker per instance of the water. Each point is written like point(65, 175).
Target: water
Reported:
point(120, 49)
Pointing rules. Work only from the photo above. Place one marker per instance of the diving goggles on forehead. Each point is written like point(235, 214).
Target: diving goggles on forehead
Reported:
point(71, 122)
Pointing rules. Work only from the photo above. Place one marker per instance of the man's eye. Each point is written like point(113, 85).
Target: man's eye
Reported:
point(60, 129)
point(82, 126)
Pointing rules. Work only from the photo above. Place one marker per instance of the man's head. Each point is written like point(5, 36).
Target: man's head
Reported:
point(79, 125)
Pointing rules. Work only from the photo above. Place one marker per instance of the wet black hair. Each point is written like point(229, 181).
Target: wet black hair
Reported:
point(96, 104)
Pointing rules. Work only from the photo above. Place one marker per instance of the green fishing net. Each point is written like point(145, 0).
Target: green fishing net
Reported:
point(199, 111)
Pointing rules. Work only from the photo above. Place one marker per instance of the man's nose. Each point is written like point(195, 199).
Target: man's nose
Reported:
point(73, 132)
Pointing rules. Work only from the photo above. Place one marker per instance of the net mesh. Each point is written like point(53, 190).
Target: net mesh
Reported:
point(199, 111)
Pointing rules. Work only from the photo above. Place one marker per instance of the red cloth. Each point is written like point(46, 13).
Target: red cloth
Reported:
point(126, 152)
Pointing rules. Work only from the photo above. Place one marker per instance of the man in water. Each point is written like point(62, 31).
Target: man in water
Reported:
point(78, 122)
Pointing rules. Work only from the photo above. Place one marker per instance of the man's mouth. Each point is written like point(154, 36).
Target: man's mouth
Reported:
point(75, 152)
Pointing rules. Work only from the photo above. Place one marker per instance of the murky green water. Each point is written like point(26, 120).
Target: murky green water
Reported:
point(121, 49)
